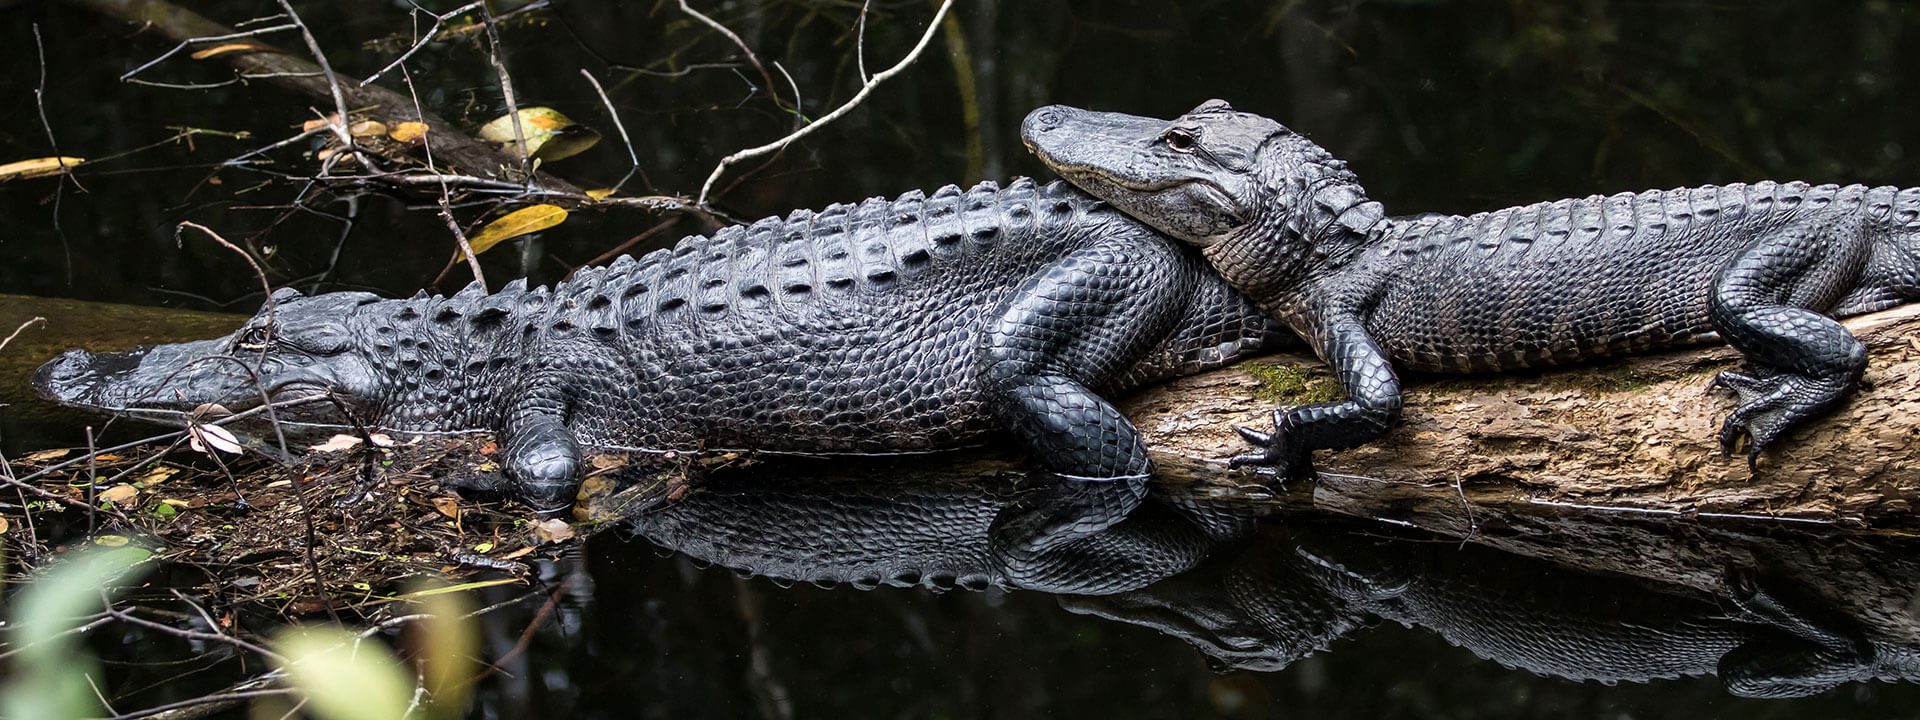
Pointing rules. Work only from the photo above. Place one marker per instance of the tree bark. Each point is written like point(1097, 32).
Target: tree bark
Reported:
point(1637, 436)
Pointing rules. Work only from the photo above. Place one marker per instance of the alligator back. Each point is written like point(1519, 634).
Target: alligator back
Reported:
point(1592, 277)
point(849, 330)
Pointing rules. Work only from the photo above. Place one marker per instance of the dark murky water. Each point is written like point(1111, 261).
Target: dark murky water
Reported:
point(1439, 106)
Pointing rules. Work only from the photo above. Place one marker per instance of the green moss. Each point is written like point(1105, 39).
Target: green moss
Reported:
point(1293, 386)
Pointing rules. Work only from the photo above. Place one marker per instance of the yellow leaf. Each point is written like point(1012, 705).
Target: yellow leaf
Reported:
point(367, 128)
point(549, 135)
point(600, 193)
point(37, 167)
point(3, 524)
point(514, 224)
point(231, 48)
point(407, 132)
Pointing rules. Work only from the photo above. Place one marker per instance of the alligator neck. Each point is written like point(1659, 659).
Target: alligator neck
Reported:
point(1289, 247)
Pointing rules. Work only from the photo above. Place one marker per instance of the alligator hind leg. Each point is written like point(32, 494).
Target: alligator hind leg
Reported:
point(1077, 324)
point(1804, 362)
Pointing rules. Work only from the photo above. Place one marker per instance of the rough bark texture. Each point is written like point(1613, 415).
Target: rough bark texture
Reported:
point(1636, 435)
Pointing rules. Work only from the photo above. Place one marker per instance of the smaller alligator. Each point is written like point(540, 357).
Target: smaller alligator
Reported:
point(1761, 266)
point(923, 323)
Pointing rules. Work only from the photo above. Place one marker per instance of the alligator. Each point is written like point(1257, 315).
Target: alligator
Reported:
point(1763, 266)
point(916, 324)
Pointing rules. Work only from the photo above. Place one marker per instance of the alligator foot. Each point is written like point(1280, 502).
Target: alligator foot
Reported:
point(1803, 654)
point(1288, 460)
point(1770, 405)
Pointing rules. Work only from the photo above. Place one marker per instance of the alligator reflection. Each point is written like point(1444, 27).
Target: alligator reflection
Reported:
point(1773, 620)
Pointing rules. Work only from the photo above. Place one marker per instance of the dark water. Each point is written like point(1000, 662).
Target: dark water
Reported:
point(1439, 106)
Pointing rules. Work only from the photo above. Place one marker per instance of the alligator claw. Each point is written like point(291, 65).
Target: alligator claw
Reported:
point(1770, 405)
point(1274, 450)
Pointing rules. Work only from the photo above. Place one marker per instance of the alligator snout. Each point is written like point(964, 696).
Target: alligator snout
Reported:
point(1041, 120)
point(59, 373)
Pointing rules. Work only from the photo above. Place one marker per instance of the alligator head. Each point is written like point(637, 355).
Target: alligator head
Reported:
point(1267, 204)
point(295, 353)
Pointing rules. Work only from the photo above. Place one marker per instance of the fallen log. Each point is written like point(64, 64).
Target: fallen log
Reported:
point(1637, 435)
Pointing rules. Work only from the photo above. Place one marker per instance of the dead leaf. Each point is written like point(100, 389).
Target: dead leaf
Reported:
point(336, 443)
point(380, 440)
point(553, 531)
point(3, 524)
point(312, 125)
point(407, 132)
point(549, 135)
point(233, 47)
point(123, 495)
point(522, 552)
point(209, 438)
point(514, 224)
point(600, 193)
point(158, 475)
point(447, 506)
point(38, 167)
point(45, 455)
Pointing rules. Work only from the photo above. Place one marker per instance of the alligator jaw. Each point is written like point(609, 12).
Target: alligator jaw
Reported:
point(1183, 176)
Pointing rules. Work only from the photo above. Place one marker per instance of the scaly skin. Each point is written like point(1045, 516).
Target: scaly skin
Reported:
point(912, 325)
point(1762, 266)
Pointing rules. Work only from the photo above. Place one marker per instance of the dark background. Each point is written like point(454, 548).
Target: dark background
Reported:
point(1439, 106)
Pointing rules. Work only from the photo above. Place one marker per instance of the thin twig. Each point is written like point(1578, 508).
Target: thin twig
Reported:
point(742, 44)
point(438, 20)
point(66, 174)
point(632, 157)
point(185, 634)
point(494, 53)
point(226, 698)
point(466, 248)
point(630, 242)
point(23, 326)
point(333, 81)
point(124, 77)
point(865, 90)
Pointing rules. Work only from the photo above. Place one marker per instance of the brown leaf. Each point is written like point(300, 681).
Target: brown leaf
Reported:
point(553, 531)
point(336, 443)
point(38, 167)
point(45, 455)
point(232, 47)
point(447, 506)
point(123, 495)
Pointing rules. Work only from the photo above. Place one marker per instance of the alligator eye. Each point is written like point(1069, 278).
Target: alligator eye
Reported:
point(255, 338)
point(1180, 140)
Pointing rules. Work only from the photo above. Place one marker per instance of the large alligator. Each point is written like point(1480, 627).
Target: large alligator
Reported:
point(1762, 266)
point(917, 324)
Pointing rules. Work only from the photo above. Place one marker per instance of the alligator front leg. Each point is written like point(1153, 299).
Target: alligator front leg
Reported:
point(1078, 323)
point(1373, 406)
point(1805, 362)
point(542, 457)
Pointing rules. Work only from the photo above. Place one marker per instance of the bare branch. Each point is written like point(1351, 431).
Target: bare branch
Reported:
point(632, 157)
point(333, 81)
point(438, 20)
point(23, 326)
point(722, 29)
point(865, 90)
